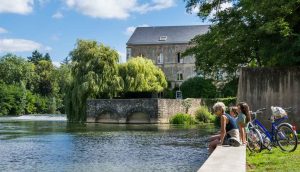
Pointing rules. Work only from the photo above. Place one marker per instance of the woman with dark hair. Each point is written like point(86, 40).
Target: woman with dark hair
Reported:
point(243, 119)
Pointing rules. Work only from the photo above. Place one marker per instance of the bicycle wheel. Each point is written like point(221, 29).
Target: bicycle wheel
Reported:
point(286, 138)
point(254, 140)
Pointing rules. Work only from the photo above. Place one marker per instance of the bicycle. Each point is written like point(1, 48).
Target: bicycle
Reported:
point(282, 134)
point(254, 138)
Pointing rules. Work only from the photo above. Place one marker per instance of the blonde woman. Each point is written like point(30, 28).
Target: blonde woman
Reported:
point(229, 129)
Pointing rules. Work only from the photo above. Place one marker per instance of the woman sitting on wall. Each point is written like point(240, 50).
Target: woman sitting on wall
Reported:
point(229, 133)
point(243, 119)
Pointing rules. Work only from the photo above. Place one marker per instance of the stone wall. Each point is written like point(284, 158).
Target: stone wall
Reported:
point(265, 87)
point(136, 110)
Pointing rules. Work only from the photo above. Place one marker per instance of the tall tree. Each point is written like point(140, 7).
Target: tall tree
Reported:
point(37, 56)
point(256, 33)
point(95, 75)
point(46, 83)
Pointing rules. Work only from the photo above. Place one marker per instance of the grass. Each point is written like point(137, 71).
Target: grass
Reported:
point(274, 160)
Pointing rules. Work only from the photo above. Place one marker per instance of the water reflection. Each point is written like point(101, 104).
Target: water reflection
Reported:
point(41, 145)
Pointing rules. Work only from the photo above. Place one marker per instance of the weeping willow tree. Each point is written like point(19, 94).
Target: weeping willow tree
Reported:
point(141, 75)
point(94, 72)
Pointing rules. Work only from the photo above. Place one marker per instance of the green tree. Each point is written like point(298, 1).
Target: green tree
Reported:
point(256, 33)
point(229, 89)
point(37, 56)
point(198, 87)
point(63, 78)
point(141, 75)
point(14, 70)
point(46, 84)
point(12, 99)
point(94, 72)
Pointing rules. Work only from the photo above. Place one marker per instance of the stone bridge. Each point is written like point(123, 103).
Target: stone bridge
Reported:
point(149, 111)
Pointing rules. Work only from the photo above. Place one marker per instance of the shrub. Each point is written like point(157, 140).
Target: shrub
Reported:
point(198, 87)
point(203, 115)
point(230, 88)
point(181, 118)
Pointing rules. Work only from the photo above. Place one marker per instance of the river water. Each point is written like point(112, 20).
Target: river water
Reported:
point(49, 143)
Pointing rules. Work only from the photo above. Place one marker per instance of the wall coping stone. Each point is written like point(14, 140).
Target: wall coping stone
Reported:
point(226, 159)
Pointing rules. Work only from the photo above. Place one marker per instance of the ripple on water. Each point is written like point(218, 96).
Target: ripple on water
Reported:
point(57, 146)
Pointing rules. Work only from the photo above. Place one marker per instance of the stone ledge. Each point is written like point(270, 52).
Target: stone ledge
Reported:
point(226, 159)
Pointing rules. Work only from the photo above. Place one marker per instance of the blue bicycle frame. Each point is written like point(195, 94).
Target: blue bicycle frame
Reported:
point(270, 134)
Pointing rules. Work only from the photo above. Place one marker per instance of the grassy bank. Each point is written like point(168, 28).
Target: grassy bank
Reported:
point(274, 160)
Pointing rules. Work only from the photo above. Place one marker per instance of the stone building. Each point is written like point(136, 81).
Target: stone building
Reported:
point(164, 46)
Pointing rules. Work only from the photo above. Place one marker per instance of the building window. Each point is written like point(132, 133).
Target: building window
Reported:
point(163, 38)
point(179, 76)
point(179, 58)
point(142, 55)
point(128, 55)
point(160, 58)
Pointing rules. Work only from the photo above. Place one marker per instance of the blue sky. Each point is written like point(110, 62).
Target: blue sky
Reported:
point(54, 25)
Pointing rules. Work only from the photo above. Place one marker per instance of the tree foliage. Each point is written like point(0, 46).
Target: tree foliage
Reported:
point(37, 56)
point(198, 87)
point(249, 33)
point(14, 70)
point(29, 87)
point(12, 99)
point(141, 75)
point(46, 84)
point(94, 73)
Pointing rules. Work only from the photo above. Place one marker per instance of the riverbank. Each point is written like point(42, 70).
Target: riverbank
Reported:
point(274, 160)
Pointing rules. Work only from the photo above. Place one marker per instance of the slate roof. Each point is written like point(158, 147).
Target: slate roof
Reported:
point(175, 34)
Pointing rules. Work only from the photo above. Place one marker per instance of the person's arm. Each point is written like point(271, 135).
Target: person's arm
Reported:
point(245, 140)
point(242, 133)
point(241, 128)
point(223, 128)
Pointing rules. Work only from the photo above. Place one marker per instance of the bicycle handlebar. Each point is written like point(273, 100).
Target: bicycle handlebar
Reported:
point(259, 111)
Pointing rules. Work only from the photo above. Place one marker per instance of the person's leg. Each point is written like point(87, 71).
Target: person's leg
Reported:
point(214, 137)
point(213, 144)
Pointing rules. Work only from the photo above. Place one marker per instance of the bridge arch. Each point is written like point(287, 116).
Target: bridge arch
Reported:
point(138, 115)
point(107, 115)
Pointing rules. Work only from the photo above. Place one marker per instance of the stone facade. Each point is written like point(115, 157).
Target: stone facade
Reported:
point(164, 45)
point(266, 87)
point(136, 110)
point(168, 58)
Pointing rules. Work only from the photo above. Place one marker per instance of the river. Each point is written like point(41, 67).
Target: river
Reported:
point(49, 143)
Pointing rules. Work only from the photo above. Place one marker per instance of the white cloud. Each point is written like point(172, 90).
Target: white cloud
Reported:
point(58, 15)
point(21, 45)
point(56, 64)
point(155, 5)
point(2, 30)
point(129, 30)
point(16, 6)
point(116, 9)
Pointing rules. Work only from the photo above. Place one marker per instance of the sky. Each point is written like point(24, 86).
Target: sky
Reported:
point(53, 26)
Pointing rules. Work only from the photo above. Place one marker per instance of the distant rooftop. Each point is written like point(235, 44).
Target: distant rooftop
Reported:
point(166, 34)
